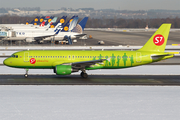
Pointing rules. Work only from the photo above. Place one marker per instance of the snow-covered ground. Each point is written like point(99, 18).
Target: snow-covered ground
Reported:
point(89, 102)
point(139, 70)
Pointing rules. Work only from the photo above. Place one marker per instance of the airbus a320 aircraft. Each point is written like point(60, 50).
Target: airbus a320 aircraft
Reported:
point(66, 62)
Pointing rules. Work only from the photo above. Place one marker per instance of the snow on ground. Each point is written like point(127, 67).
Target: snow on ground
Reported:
point(89, 102)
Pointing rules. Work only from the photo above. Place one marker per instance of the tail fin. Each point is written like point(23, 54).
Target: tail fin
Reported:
point(80, 27)
point(47, 23)
point(73, 23)
point(83, 22)
point(60, 22)
point(27, 22)
point(158, 40)
point(42, 24)
point(66, 26)
point(36, 19)
point(42, 19)
point(50, 19)
point(51, 22)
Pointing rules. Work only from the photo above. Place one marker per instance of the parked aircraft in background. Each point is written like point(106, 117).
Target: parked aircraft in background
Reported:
point(36, 21)
point(65, 62)
point(66, 31)
point(36, 24)
point(40, 25)
point(72, 32)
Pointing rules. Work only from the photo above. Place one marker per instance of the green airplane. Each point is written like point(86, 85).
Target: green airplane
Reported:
point(64, 62)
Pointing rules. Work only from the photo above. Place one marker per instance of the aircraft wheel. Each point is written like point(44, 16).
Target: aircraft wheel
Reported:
point(26, 75)
point(84, 75)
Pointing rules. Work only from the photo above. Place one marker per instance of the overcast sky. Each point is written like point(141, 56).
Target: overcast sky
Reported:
point(97, 4)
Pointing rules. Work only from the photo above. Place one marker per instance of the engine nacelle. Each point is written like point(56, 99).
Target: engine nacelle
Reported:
point(63, 69)
point(29, 40)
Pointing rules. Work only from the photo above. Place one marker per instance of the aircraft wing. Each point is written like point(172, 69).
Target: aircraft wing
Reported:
point(83, 64)
point(45, 36)
point(42, 37)
point(80, 35)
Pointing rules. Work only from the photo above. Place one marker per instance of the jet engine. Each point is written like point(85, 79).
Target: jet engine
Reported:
point(64, 70)
point(29, 40)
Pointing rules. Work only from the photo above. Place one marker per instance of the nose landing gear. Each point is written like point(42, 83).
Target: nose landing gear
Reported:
point(26, 74)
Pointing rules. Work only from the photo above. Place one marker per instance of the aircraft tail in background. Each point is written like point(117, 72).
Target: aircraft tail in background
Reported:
point(51, 22)
point(60, 22)
point(80, 26)
point(47, 20)
point(158, 40)
point(73, 23)
point(83, 22)
point(64, 28)
point(36, 19)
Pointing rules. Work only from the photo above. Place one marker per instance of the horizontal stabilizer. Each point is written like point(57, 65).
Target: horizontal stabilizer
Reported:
point(155, 57)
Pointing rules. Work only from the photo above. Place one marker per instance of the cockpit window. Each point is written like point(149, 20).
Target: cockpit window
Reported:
point(14, 56)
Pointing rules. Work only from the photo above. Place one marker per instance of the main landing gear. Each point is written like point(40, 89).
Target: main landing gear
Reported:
point(26, 74)
point(84, 74)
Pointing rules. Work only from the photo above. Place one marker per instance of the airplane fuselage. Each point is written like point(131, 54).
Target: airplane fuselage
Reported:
point(48, 59)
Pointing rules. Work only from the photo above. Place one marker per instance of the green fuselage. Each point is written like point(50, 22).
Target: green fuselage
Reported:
point(48, 59)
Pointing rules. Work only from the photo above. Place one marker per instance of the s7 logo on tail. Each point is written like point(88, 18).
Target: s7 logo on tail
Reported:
point(158, 40)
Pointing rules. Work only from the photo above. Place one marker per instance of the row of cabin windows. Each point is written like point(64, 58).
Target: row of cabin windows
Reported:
point(77, 57)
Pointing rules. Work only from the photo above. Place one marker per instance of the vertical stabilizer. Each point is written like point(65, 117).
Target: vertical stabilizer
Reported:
point(158, 40)
point(80, 26)
point(73, 23)
point(83, 22)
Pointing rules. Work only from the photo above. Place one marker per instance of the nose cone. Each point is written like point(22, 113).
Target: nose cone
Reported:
point(6, 62)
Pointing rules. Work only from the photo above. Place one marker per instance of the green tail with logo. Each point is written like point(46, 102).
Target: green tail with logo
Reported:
point(158, 40)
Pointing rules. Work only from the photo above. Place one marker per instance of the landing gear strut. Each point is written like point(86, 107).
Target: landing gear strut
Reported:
point(26, 74)
point(84, 74)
